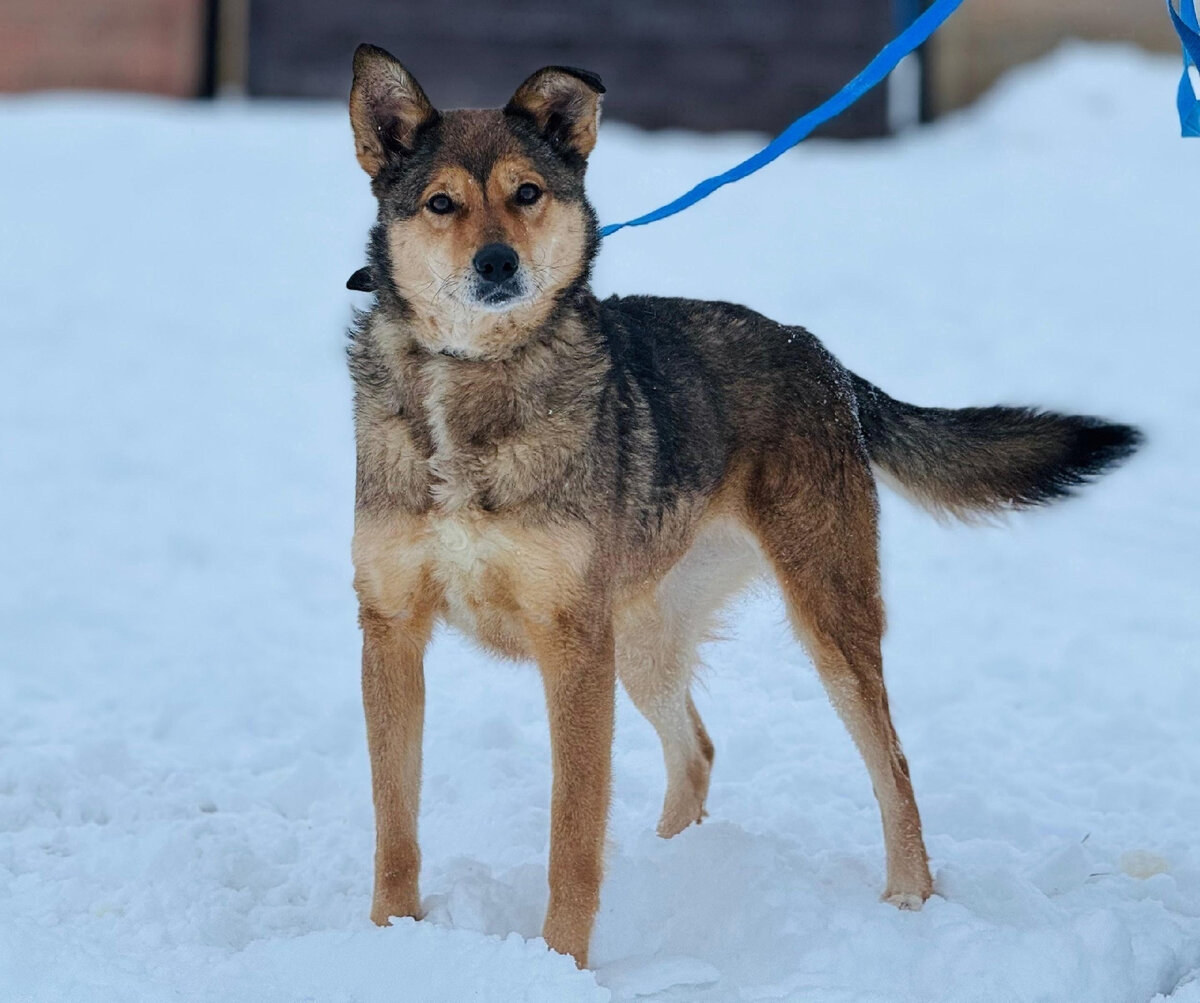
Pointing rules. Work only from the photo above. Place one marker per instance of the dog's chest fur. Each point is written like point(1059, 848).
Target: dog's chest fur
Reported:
point(488, 437)
point(461, 478)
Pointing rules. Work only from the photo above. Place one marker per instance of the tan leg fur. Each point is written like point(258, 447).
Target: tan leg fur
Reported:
point(820, 535)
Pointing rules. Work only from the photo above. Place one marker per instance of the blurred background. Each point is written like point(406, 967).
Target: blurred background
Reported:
point(697, 64)
point(185, 808)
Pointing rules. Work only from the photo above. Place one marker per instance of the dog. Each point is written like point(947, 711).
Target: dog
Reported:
point(588, 483)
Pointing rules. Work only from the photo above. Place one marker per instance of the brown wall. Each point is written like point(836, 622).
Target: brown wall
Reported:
point(157, 46)
point(692, 64)
point(129, 45)
point(985, 37)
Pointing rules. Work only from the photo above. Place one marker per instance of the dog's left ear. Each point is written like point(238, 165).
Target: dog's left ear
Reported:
point(564, 104)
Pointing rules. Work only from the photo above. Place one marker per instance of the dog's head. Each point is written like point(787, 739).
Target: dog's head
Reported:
point(483, 225)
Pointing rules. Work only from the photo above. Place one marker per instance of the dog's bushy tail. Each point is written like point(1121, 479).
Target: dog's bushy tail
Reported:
point(981, 460)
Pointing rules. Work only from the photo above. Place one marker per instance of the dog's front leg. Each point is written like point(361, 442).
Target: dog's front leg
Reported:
point(393, 684)
point(575, 654)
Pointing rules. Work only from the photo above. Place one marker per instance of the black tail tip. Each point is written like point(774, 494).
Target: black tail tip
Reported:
point(1099, 445)
point(1093, 446)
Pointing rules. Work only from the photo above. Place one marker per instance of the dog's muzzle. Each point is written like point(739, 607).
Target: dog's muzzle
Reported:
point(496, 263)
point(497, 281)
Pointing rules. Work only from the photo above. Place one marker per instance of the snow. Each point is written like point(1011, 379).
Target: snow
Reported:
point(184, 797)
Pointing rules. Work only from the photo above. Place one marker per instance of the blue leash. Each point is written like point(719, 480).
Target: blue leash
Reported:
point(1189, 35)
point(909, 39)
point(878, 68)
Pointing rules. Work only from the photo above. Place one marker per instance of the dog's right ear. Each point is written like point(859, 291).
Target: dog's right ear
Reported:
point(387, 108)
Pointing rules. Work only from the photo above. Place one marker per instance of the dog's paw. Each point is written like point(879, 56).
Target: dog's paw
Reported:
point(668, 827)
point(387, 907)
point(684, 803)
point(908, 887)
point(679, 813)
point(385, 917)
point(905, 901)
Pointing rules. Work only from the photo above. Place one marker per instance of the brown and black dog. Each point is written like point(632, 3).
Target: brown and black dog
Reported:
point(587, 484)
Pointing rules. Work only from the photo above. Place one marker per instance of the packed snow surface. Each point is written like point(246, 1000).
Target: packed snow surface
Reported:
point(184, 799)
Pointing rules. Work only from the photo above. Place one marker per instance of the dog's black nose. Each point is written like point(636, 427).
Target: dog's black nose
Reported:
point(496, 262)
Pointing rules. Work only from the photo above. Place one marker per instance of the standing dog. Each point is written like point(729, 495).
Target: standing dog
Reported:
point(587, 483)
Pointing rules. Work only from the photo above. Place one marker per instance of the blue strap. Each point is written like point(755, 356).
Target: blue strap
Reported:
point(1189, 35)
point(878, 68)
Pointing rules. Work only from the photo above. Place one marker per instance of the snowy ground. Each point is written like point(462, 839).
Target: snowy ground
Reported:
point(184, 801)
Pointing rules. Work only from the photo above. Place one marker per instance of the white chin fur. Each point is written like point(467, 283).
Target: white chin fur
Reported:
point(477, 302)
point(503, 307)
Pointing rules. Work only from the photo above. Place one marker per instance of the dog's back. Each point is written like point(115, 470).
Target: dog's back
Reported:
point(719, 382)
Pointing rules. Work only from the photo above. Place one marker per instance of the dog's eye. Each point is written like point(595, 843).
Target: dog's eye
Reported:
point(527, 194)
point(440, 204)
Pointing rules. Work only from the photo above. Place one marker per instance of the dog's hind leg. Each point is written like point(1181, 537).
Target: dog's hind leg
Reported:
point(658, 635)
point(817, 522)
point(655, 660)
